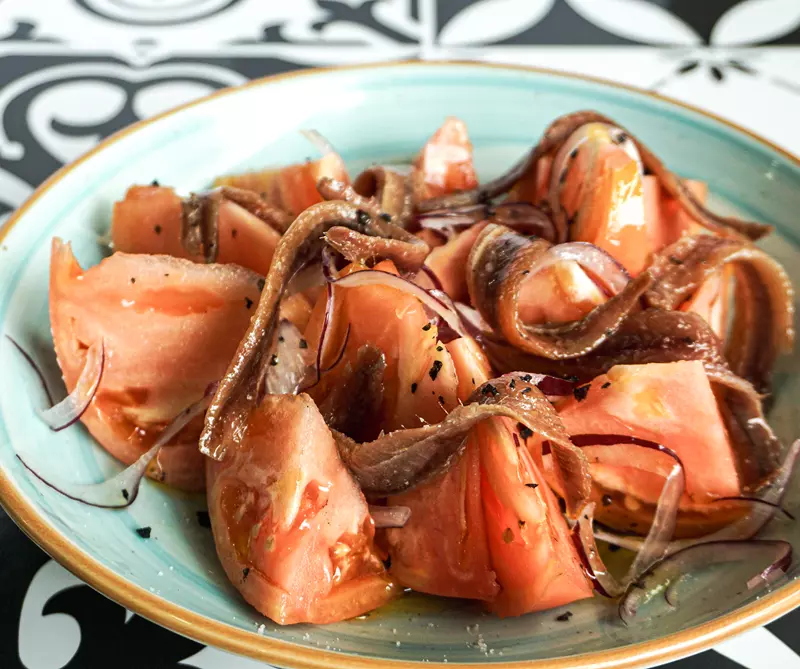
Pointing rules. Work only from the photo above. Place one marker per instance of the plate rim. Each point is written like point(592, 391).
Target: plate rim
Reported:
point(286, 653)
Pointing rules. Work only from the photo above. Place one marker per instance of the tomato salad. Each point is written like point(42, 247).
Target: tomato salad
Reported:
point(412, 380)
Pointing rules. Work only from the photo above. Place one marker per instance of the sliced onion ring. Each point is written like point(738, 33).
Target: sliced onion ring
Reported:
point(583, 536)
point(122, 489)
point(319, 141)
point(436, 301)
point(663, 576)
point(389, 516)
point(69, 410)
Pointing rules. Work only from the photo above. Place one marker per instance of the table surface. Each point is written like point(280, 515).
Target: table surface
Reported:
point(74, 71)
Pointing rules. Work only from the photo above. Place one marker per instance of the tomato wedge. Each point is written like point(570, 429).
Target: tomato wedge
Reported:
point(669, 403)
point(536, 562)
point(292, 529)
point(442, 549)
point(146, 309)
point(148, 220)
point(292, 188)
point(445, 163)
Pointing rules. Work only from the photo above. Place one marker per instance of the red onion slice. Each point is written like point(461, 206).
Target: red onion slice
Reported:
point(663, 577)
point(389, 516)
point(583, 535)
point(427, 271)
point(122, 489)
point(69, 410)
point(436, 301)
point(29, 359)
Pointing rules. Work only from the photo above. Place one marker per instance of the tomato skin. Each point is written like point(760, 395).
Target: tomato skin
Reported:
point(532, 553)
point(145, 309)
point(148, 220)
point(291, 527)
point(445, 163)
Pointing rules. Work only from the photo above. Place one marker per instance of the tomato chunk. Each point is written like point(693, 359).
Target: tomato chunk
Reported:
point(145, 309)
point(445, 163)
point(292, 529)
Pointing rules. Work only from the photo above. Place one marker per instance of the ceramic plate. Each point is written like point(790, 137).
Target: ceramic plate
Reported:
point(377, 113)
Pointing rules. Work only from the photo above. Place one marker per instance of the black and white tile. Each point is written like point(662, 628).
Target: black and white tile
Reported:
point(74, 71)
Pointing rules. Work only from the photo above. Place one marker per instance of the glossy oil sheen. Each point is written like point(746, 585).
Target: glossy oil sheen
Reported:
point(370, 115)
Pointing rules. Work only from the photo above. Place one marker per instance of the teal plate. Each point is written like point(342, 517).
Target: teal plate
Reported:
point(375, 113)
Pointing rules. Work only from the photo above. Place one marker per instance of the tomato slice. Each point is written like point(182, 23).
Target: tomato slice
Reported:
point(145, 309)
point(532, 553)
point(669, 403)
point(448, 262)
point(291, 527)
point(419, 381)
point(148, 220)
point(292, 188)
point(442, 549)
point(445, 163)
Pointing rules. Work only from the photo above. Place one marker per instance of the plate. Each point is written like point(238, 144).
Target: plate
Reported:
point(375, 113)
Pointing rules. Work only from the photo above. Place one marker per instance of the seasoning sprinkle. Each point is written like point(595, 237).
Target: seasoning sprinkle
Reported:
point(385, 217)
point(524, 431)
point(281, 338)
point(440, 348)
point(303, 343)
point(133, 280)
point(607, 384)
point(675, 260)
point(525, 391)
point(125, 493)
point(441, 400)
point(508, 535)
point(606, 500)
point(363, 218)
point(581, 392)
point(436, 367)
point(533, 486)
point(155, 183)
point(248, 302)
point(144, 532)
point(489, 389)
point(261, 284)
point(245, 573)
point(426, 327)
point(234, 232)
point(564, 617)
point(157, 229)
point(521, 523)
point(513, 384)
point(273, 361)
point(526, 378)
point(413, 388)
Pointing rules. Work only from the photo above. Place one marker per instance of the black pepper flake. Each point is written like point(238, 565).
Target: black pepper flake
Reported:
point(387, 563)
point(574, 152)
point(564, 617)
point(245, 573)
point(508, 535)
point(525, 391)
point(532, 486)
point(426, 327)
point(613, 548)
point(526, 378)
point(133, 280)
point(144, 532)
point(473, 380)
point(413, 388)
point(261, 284)
point(273, 361)
point(441, 400)
point(606, 500)
point(526, 271)
point(524, 431)
point(166, 274)
point(675, 260)
point(581, 392)
point(440, 348)
point(489, 389)
point(385, 217)
point(562, 505)
point(281, 338)
point(234, 232)
point(155, 183)
point(363, 218)
point(433, 372)
point(513, 384)
point(203, 519)
point(303, 343)
point(521, 523)
point(157, 229)
point(248, 302)
point(607, 384)
point(687, 340)
point(125, 493)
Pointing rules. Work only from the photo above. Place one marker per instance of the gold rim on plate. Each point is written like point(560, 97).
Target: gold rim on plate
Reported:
point(237, 640)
